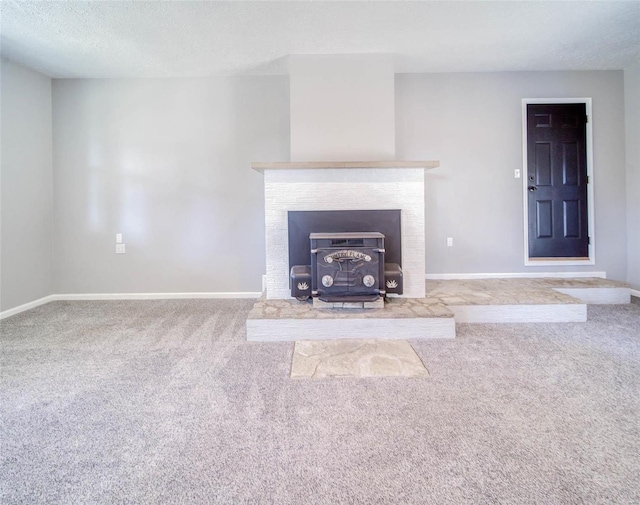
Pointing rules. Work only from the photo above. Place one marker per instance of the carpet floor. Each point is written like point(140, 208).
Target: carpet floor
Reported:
point(165, 402)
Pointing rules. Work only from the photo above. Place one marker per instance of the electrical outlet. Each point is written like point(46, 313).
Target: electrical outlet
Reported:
point(516, 173)
point(118, 238)
point(449, 241)
point(120, 249)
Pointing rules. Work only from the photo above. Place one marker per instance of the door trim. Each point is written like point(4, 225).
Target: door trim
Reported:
point(545, 262)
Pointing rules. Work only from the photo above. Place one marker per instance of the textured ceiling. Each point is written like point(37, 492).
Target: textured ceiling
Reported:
point(156, 39)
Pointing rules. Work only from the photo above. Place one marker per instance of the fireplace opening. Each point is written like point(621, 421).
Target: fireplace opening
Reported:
point(345, 256)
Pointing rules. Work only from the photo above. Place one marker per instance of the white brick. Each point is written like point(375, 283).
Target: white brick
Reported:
point(344, 189)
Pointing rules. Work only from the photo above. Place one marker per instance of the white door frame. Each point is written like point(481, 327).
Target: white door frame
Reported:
point(590, 201)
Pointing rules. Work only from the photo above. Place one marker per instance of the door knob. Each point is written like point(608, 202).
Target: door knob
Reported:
point(532, 188)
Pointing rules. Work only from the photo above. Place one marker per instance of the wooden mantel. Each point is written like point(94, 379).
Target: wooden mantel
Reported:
point(293, 165)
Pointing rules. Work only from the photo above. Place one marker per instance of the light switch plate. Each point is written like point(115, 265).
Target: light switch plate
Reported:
point(120, 249)
point(516, 173)
point(118, 238)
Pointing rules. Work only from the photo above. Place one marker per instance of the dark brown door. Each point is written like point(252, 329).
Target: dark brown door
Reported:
point(557, 180)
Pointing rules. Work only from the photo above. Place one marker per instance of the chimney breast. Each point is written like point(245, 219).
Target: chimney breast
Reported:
point(342, 107)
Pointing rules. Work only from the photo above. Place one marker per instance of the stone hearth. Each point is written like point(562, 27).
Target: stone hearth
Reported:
point(548, 300)
point(401, 318)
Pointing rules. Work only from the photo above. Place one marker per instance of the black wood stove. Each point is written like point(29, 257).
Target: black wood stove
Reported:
point(346, 267)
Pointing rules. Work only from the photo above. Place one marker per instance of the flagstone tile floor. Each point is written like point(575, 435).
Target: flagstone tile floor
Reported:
point(355, 358)
point(394, 308)
point(440, 294)
point(512, 291)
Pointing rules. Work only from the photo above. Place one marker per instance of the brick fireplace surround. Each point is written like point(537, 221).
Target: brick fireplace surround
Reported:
point(344, 186)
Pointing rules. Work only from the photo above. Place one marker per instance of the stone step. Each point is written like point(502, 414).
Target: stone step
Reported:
point(401, 318)
point(548, 300)
point(521, 313)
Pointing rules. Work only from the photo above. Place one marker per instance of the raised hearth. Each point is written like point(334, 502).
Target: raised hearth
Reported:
point(547, 300)
point(401, 318)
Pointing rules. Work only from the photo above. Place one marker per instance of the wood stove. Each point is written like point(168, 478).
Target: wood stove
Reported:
point(347, 265)
point(334, 261)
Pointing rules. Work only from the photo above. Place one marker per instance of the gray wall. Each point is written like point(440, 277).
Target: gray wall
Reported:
point(167, 164)
point(632, 129)
point(472, 123)
point(26, 181)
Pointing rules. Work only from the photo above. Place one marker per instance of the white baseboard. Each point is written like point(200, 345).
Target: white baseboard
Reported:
point(126, 296)
point(157, 296)
point(635, 292)
point(516, 275)
point(26, 306)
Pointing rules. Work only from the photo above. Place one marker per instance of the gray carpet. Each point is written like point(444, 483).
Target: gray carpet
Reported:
point(164, 402)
